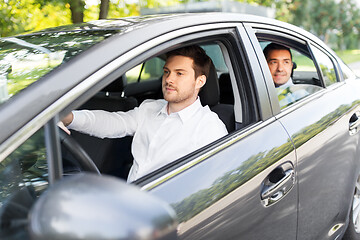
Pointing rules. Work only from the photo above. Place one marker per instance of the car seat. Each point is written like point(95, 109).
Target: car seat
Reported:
point(111, 156)
point(210, 95)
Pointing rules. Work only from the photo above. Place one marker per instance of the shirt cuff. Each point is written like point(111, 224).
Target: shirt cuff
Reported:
point(78, 120)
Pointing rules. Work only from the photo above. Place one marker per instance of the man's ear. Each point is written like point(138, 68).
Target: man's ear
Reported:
point(200, 81)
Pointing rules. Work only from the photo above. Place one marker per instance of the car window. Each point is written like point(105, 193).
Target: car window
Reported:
point(23, 177)
point(326, 66)
point(149, 70)
point(144, 83)
point(305, 69)
point(152, 69)
point(304, 79)
point(216, 55)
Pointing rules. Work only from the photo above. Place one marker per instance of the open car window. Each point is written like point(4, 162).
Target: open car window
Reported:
point(143, 82)
point(305, 78)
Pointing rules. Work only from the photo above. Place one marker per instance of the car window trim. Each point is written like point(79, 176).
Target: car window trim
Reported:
point(333, 61)
point(280, 37)
point(53, 150)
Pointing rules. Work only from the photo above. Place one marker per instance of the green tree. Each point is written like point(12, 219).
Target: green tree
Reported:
point(325, 18)
point(18, 16)
point(77, 10)
point(104, 9)
point(348, 28)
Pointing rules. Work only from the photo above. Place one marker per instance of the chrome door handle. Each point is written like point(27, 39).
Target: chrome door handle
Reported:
point(278, 183)
point(354, 123)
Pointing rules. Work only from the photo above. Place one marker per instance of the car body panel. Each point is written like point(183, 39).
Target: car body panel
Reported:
point(321, 138)
point(235, 209)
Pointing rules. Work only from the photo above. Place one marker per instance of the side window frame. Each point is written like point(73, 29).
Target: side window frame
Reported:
point(320, 72)
point(291, 40)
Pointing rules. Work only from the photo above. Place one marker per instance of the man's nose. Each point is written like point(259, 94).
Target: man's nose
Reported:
point(168, 78)
point(280, 67)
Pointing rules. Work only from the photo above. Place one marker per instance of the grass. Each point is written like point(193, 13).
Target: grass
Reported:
point(306, 64)
point(349, 56)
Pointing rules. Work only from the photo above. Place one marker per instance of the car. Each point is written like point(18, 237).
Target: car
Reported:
point(282, 172)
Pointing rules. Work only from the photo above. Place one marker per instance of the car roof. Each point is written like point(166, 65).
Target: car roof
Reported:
point(187, 19)
point(170, 22)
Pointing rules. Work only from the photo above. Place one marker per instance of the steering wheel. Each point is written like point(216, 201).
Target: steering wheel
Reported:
point(83, 159)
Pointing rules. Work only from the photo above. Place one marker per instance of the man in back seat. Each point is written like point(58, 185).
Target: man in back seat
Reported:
point(165, 129)
point(279, 59)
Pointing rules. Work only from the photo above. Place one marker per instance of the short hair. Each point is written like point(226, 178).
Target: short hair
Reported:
point(275, 46)
point(201, 61)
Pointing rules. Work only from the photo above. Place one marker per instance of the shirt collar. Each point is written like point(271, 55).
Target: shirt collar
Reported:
point(186, 113)
point(287, 84)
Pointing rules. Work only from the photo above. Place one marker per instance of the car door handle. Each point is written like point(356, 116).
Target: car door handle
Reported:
point(277, 184)
point(354, 123)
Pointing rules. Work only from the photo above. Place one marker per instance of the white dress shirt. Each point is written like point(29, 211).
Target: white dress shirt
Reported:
point(288, 94)
point(159, 138)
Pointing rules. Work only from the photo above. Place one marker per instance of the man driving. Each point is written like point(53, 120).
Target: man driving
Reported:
point(164, 129)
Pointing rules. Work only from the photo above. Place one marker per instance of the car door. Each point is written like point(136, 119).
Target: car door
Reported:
point(241, 186)
point(326, 149)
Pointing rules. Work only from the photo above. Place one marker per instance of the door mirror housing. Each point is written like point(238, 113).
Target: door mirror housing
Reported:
point(89, 206)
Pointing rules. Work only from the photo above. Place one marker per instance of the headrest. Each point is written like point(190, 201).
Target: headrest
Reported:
point(292, 70)
point(116, 86)
point(210, 92)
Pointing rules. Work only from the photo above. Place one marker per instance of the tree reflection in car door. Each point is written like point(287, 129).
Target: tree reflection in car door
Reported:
point(23, 177)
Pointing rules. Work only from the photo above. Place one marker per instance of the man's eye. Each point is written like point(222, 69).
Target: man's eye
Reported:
point(166, 72)
point(272, 62)
point(179, 74)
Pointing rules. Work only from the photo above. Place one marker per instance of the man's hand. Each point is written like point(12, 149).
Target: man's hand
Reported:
point(62, 126)
point(65, 122)
point(68, 119)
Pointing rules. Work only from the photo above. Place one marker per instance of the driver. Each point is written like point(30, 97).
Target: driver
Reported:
point(164, 129)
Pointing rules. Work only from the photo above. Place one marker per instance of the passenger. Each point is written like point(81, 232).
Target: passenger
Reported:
point(164, 129)
point(279, 59)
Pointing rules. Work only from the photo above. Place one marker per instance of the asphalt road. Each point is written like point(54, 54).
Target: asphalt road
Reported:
point(355, 67)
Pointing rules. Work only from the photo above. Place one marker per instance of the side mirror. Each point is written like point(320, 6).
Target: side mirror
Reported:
point(88, 206)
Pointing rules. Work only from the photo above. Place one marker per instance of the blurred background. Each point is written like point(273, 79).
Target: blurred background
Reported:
point(336, 22)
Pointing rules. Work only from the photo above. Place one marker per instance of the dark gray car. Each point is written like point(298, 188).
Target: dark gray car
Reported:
point(283, 172)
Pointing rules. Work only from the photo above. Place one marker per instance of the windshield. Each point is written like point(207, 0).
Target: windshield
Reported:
point(25, 59)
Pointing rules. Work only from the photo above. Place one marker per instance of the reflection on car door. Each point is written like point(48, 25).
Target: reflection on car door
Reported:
point(220, 197)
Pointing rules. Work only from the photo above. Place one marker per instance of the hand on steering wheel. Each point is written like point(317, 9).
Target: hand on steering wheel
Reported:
point(83, 159)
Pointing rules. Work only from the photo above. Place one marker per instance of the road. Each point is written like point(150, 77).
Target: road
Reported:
point(355, 67)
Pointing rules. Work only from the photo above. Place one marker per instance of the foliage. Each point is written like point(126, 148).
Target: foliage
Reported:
point(18, 16)
point(349, 56)
point(337, 22)
point(329, 18)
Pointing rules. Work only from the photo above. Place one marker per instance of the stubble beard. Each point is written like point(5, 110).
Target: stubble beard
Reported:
point(176, 96)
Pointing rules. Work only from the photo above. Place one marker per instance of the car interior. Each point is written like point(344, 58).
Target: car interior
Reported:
point(113, 156)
